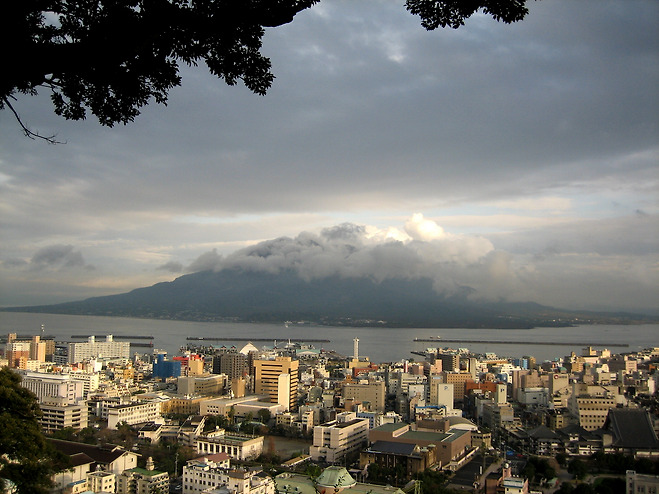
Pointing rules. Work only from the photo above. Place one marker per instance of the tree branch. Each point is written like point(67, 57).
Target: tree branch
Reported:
point(26, 131)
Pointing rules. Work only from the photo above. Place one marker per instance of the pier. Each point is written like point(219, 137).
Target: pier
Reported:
point(500, 342)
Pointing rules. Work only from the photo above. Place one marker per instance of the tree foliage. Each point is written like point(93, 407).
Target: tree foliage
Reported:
point(112, 57)
point(538, 469)
point(453, 13)
point(27, 459)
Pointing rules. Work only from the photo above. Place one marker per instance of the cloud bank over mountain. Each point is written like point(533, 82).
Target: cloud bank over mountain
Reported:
point(456, 263)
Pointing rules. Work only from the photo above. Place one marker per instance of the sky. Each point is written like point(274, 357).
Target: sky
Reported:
point(521, 161)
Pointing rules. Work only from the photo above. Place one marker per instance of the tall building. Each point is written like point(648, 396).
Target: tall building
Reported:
point(17, 353)
point(440, 393)
point(37, 349)
point(98, 349)
point(459, 380)
point(278, 379)
point(450, 361)
point(233, 364)
point(164, 369)
point(373, 393)
point(46, 385)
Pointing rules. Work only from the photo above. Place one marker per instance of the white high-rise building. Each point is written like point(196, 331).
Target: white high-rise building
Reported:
point(46, 385)
point(92, 349)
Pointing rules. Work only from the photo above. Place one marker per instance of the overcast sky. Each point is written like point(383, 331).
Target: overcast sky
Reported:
point(519, 160)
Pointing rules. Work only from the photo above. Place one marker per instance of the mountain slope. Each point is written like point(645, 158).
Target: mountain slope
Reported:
point(257, 296)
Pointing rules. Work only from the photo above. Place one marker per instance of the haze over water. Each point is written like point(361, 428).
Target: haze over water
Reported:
point(380, 344)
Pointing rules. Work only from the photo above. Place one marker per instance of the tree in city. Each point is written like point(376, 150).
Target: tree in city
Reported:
point(27, 459)
point(578, 468)
point(112, 57)
point(264, 415)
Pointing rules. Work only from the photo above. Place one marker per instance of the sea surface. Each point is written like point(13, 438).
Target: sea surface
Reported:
point(379, 344)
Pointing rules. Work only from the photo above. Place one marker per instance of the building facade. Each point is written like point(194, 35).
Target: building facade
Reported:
point(278, 379)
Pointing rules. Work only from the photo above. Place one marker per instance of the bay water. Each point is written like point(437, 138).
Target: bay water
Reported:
point(379, 344)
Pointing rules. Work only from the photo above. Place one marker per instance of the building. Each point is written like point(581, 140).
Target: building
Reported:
point(46, 385)
point(185, 405)
point(57, 414)
point(102, 482)
point(232, 364)
point(142, 480)
point(134, 413)
point(164, 369)
point(209, 384)
point(332, 441)
point(410, 458)
point(92, 349)
point(637, 483)
point(459, 380)
point(332, 480)
point(238, 407)
point(17, 354)
point(630, 431)
point(591, 410)
point(452, 445)
point(113, 459)
point(370, 394)
point(90, 381)
point(440, 393)
point(278, 379)
point(211, 472)
point(238, 446)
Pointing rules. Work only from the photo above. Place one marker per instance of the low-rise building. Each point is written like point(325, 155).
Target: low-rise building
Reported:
point(637, 483)
point(142, 480)
point(212, 473)
point(238, 446)
point(332, 480)
point(410, 458)
point(134, 413)
point(452, 445)
point(114, 459)
point(102, 482)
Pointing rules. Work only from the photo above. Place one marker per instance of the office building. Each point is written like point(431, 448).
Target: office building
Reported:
point(278, 379)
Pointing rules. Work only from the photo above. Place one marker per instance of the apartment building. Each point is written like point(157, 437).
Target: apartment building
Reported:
point(332, 441)
point(58, 413)
point(108, 349)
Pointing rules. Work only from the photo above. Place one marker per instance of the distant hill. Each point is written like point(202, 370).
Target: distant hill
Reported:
point(238, 295)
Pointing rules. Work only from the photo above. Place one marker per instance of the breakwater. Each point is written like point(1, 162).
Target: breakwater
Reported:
point(502, 342)
point(239, 338)
point(116, 337)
